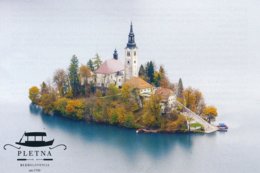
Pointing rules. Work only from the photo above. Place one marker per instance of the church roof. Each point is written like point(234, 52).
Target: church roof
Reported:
point(110, 66)
point(138, 83)
point(131, 38)
point(165, 93)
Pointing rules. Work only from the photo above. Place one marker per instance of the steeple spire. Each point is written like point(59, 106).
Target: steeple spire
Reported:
point(131, 38)
point(115, 55)
point(131, 27)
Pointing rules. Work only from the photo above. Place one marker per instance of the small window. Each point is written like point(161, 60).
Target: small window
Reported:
point(128, 53)
point(128, 62)
point(134, 61)
point(119, 80)
point(135, 53)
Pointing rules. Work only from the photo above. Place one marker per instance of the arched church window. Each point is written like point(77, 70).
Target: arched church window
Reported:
point(128, 53)
point(135, 53)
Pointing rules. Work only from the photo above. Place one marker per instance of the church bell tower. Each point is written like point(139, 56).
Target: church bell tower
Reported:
point(131, 56)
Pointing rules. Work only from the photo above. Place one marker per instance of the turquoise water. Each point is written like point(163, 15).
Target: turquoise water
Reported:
point(213, 46)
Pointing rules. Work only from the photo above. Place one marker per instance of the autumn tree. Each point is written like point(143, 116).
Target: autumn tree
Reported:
point(75, 108)
point(164, 81)
point(190, 99)
point(73, 76)
point(157, 78)
point(60, 79)
point(210, 113)
point(152, 111)
point(60, 105)
point(34, 94)
point(126, 91)
point(112, 91)
point(85, 73)
point(194, 100)
point(47, 101)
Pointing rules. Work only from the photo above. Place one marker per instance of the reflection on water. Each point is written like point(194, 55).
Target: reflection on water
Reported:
point(127, 140)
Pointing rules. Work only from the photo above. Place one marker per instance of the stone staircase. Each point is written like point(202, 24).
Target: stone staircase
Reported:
point(209, 128)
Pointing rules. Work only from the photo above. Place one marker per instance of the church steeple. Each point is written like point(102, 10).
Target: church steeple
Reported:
point(131, 38)
point(115, 55)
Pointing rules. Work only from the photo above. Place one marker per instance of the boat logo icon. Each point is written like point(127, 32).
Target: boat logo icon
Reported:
point(34, 139)
point(34, 147)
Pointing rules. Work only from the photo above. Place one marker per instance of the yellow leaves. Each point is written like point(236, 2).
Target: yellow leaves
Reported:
point(194, 100)
point(117, 115)
point(60, 105)
point(126, 91)
point(210, 111)
point(75, 108)
point(176, 124)
point(112, 90)
point(148, 120)
point(70, 109)
point(153, 105)
point(84, 71)
point(190, 99)
point(34, 94)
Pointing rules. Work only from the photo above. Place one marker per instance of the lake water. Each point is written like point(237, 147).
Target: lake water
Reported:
point(213, 46)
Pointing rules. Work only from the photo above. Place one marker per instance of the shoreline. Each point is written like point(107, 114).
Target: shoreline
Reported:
point(138, 130)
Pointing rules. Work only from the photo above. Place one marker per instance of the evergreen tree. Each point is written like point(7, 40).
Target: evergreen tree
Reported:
point(90, 65)
point(97, 62)
point(150, 71)
point(44, 88)
point(179, 93)
point(73, 76)
point(142, 73)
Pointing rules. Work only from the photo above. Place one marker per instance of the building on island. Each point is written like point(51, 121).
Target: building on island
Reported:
point(110, 72)
point(113, 71)
point(144, 88)
point(131, 69)
point(167, 98)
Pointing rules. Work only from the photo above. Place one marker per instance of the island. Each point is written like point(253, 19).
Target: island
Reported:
point(125, 94)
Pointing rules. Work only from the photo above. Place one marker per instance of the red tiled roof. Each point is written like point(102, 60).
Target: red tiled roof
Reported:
point(164, 93)
point(138, 83)
point(110, 66)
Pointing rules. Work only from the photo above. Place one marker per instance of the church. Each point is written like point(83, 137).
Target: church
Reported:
point(114, 71)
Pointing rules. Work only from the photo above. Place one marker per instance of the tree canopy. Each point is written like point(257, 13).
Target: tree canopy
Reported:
point(73, 76)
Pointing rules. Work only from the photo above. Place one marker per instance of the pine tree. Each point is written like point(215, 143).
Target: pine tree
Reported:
point(142, 73)
point(180, 90)
point(150, 71)
point(97, 62)
point(73, 76)
point(90, 65)
point(44, 88)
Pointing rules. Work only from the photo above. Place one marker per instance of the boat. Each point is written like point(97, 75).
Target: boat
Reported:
point(222, 127)
point(35, 142)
